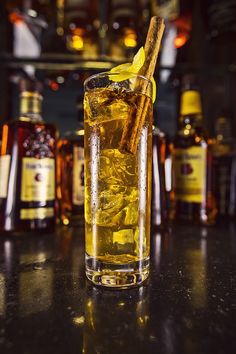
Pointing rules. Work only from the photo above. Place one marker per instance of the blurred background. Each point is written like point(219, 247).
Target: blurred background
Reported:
point(61, 42)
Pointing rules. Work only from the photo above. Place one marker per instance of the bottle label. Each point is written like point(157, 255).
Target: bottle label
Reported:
point(4, 174)
point(78, 176)
point(36, 213)
point(190, 174)
point(38, 179)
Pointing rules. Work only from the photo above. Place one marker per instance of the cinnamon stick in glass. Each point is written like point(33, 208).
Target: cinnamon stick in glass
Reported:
point(132, 130)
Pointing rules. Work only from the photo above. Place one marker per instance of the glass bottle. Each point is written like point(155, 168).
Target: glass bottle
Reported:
point(192, 163)
point(123, 28)
point(81, 25)
point(70, 177)
point(29, 21)
point(27, 167)
point(53, 40)
point(159, 201)
point(224, 162)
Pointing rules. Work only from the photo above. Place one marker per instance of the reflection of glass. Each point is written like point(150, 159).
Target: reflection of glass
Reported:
point(35, 290)
point(28, 275)
point(161, 245)
point(196, 258)
point(159, 205)
point(116, 322)
point(117, 184)
point(2, 295)
point(36, 277)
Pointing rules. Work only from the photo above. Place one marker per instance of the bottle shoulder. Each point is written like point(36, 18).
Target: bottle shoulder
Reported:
point(32, 140)
point(73, 135)
point(21, 122)
point(221, 149)
point(69, 141)
point(190, 140)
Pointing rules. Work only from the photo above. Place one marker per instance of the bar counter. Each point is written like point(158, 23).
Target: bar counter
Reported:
point(187, 306)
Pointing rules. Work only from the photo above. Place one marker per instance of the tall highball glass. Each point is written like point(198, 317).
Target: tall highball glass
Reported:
point(117, 182)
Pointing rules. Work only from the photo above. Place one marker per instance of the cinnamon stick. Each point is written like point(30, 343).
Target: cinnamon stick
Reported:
point(132, 130)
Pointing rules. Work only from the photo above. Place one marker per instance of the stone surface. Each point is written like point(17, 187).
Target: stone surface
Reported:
point(188, 305)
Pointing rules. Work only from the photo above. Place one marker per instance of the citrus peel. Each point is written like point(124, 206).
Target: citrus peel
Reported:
point(127, 70)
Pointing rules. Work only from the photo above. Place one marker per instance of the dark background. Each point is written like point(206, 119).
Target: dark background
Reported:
point(209, 54)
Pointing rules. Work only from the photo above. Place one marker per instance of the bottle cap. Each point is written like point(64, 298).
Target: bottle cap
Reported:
point(190, 103)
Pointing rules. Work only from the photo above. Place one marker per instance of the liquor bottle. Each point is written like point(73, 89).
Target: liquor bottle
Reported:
point(123, 28)
point(81, 25)
point(159, 200)
point(192, 163)
point(27, 167)
point(53, 40)
point(70, 176)
point(28, 19)
point(224, 162)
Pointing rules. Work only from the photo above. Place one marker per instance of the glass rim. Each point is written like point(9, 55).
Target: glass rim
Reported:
point(106, 73)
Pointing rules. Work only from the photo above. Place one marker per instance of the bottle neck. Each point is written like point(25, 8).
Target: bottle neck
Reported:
point(191, 121)
point(223, 130)
point(31, 106)
point(191, 110)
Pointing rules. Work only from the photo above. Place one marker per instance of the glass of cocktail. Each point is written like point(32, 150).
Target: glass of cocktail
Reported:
point(117, 181)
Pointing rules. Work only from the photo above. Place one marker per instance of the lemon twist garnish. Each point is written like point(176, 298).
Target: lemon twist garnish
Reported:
point(126, 71)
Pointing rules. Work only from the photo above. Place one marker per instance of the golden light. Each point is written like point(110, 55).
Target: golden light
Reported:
point(77, 42)
point(4, 139)
point(181, 39)
point(60, 31)
point(78, 321)
point(130, 39)
point(197, 139)
point(65, 221)
point(80, 132)
point(186, 131)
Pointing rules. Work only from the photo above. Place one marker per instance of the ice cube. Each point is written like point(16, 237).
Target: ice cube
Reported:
point(127, 216)
point(123, 236)
point(97, 104)
point(131, 217)
point(118, 168)
point(109, 205)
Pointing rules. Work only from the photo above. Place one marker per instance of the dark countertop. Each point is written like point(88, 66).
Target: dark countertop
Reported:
point(187, 306)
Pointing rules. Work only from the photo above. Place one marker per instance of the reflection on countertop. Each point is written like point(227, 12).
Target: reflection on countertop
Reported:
point(188, 305)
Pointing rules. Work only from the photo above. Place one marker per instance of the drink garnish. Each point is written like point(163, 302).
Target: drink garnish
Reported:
point(134, 123)
point(127, 70)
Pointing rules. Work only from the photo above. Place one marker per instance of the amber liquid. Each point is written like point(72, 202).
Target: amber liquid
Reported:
point(194, 212)
point(117, 185)
point(69, 212)
point(25, 139)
